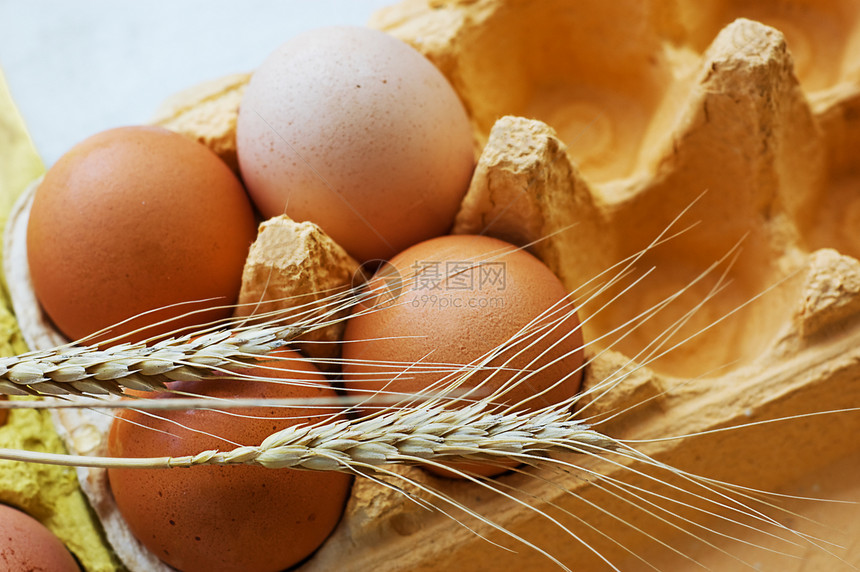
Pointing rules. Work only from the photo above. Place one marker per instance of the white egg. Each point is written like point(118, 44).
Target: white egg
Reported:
point(356, 131)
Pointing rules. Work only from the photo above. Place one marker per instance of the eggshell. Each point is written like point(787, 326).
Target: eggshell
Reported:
point(449, 301)
point(134, 219)
point(238, 518)
point(354, 130)
point(25, 544)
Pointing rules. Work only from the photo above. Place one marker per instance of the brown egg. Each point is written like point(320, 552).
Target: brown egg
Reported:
point(356, 131)
point(134, 219)
point(26, 545)
point(238, 518)
point(460, 298)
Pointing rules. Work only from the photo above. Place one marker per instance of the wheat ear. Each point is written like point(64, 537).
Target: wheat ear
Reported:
point(80, 369)
point(401, 436)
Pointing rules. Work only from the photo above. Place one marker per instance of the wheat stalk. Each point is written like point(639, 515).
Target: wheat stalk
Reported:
point(400, 436)
point(77, 369)
point(217, 348)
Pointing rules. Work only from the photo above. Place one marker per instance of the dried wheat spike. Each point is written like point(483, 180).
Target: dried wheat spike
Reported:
point(80, 369)
point(413, 436)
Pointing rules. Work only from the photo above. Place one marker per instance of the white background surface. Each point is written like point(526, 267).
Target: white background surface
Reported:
point(76, 68)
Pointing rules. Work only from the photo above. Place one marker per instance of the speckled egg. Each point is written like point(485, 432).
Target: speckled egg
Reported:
point(27, 545)
point(457, 300)
point(356, 131)
point(237, 518)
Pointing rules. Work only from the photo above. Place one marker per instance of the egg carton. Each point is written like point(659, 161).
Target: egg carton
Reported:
point(717, 144)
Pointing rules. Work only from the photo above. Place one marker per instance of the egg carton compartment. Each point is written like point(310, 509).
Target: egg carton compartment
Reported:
point(600, 128)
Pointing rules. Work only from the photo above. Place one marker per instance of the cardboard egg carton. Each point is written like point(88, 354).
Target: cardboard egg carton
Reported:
point(676, 137)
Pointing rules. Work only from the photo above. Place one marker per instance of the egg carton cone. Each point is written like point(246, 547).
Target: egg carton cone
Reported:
point(717, 146)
